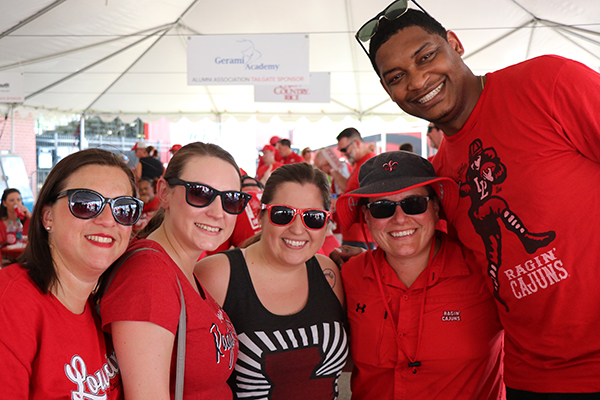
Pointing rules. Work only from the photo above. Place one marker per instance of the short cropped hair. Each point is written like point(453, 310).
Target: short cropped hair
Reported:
point(388, 28)
point(285, 142)
point(350, 133)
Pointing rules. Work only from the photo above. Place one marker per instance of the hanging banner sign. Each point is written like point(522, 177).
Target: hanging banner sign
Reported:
point(12, 87)
point(247, 59)
point(318, 91)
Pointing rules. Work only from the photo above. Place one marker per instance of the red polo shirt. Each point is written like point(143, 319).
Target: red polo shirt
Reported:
point(461, 338)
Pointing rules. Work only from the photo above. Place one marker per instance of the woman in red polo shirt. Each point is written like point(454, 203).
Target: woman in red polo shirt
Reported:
point(422, 322)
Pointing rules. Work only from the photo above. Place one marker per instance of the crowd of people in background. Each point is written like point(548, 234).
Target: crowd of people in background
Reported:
point(465, 276)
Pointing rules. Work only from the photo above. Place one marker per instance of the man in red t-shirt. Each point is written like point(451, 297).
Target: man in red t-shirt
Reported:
point(284, 146)
point(269, 164)
point(523, 145)
point(351, 144)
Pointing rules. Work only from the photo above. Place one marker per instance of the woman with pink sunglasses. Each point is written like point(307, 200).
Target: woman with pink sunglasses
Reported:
point(284, 300)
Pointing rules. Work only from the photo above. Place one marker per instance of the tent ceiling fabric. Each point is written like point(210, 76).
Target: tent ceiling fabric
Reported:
point(127, 58)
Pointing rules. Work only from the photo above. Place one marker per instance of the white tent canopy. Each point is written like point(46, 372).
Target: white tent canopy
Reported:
point(127, 59)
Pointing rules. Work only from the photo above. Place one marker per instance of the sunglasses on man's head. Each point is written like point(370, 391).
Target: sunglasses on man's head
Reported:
point(87, 204)
point(201, 195)
point(393, 11)
point(281, 215)
point(413, 205)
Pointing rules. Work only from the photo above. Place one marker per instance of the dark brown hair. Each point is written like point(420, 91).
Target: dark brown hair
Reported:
point(302, 173)
point(37, 258)
point(350, 133)
point(176, 167)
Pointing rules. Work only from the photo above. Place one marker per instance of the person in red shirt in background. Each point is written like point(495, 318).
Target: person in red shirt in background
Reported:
point(436, 136)
point(307, 154)
point(357, 152)
point(273, 142)
point(284, 146)
point(269, 164)
point(174, 149)
point(247, 223)
point(11, 209)
point(151, 203)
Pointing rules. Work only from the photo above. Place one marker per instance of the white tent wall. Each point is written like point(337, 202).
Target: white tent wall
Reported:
point(127, 58)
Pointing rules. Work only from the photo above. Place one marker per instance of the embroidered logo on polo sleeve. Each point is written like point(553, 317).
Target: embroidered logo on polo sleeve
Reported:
point(390, 165)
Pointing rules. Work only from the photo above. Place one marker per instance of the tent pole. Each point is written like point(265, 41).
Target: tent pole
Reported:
point(127, 70)
point(12, 128)
point(31, 18)
point(83, 48)
point(74, 74)
point(493, 42)
point(559, 31)
point(82, 132)
point(530, 40)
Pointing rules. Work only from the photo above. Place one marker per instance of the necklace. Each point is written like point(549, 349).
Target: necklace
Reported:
point(482, 82)
point(413, 361)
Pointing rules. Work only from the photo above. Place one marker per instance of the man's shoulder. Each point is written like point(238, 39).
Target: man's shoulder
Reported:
point(545, 63)
point(364, 159)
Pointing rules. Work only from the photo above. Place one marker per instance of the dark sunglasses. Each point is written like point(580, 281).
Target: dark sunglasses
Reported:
point(281, 215)
point(200, 195)
point(393, 11)
point(87, 204)
point(345, 149)
point(431, 128)
point(386, 208)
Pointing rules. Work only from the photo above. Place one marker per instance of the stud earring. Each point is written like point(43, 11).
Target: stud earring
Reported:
point(48, 228)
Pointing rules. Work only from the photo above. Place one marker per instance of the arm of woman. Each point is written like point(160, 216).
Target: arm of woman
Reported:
point(213, 273)
point(144, 352)
point(333, 276)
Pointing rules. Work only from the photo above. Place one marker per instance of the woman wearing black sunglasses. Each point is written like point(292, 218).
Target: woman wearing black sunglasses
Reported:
point(422, 322)
point(51, 343)
point(200, 199)
point(285, 303)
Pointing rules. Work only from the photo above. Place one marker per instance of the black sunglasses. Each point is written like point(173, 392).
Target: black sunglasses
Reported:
point(200, 195)
point(281, 215)
point(87, 204)
point(345, 149)
point(386, 208)
point(393, 11)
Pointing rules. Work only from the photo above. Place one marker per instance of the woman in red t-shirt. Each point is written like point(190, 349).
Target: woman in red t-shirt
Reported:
point(200, 197)
point(11, 210)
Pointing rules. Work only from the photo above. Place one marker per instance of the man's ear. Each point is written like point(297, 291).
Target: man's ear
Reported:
point(455, 42)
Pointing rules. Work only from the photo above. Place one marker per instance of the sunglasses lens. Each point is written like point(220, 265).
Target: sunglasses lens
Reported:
point(233, 202)
point(396, 9)
point(382, 209)
point(200, 195)
point(314, 219)
point(281, 215)
point(414, 205)
point(85, 204)
point(368, 30)
point(126, 210)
